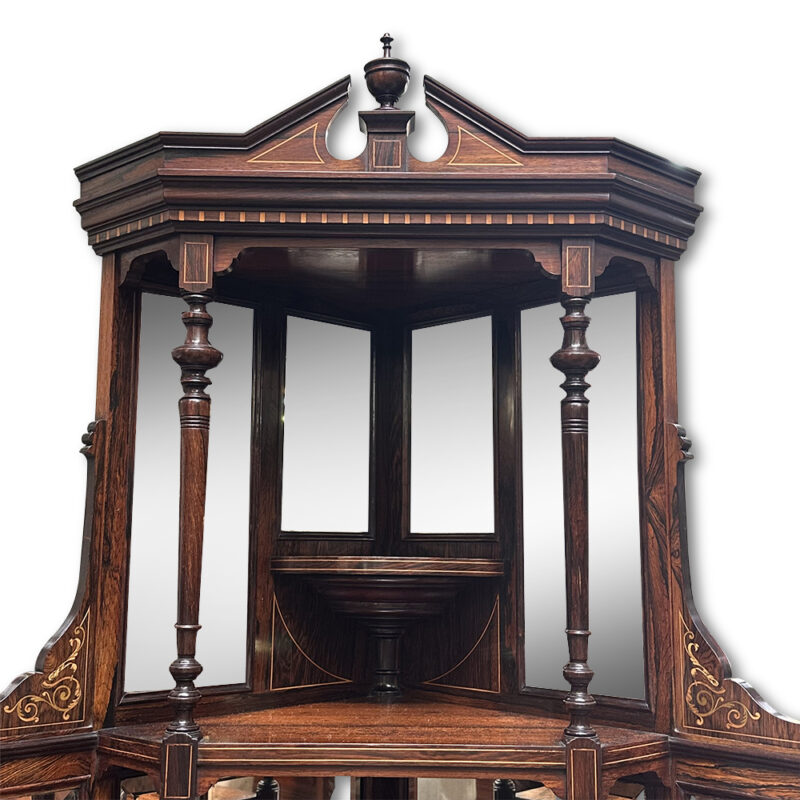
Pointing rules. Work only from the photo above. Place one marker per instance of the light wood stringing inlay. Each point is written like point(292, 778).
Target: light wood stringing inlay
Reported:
point(494, 156)
point(312, 158)
point(384, 217)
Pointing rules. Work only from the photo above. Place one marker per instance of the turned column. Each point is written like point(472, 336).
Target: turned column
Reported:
point(195, 356)
point(575, 359)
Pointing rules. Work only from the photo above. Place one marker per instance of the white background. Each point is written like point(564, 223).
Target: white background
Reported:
point(696, 82)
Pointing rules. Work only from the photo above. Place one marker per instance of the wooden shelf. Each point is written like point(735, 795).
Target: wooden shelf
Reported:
point(396, 566)
point(367, 737)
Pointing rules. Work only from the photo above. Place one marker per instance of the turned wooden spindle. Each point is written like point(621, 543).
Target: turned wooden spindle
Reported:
point(195, 356)
point(267, 789)
point(504, 789)
point(575, 359)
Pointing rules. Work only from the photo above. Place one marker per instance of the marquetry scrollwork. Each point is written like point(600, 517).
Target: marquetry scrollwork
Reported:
point(61, 689)
point(706, 695)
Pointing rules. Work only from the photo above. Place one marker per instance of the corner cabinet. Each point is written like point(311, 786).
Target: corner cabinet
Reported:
point(385, 511)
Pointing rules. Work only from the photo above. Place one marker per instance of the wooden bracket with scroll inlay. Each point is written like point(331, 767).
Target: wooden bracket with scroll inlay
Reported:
point(57, 694)
point(709, 701)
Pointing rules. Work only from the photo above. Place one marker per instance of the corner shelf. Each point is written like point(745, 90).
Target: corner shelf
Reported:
point(386, 594)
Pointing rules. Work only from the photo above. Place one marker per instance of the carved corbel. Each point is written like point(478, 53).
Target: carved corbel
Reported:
point(134, 262)
point(546, 255)
point(642, 267)
point(190, 254)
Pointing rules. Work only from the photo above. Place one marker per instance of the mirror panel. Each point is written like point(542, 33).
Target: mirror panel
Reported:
point(616, 647)
point(153, 572)
point(446, 789)
point(616, 651)
point(326, 428)
point(452, 433)
point(542, 491)
point(342, 788)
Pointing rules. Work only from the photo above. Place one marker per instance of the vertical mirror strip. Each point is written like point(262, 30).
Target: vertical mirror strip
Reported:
point(542, 492)
point(150, 635)
point(615, 584)
point(616, 649)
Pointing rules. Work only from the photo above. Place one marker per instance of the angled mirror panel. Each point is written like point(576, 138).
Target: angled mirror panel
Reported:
point(615, 584)
point(452, 455)
point(543, 505)
point(326, 428)
point(152, 592)
point(616, 649)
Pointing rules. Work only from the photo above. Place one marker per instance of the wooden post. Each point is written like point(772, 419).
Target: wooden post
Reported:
point(195, 357)
point(584, 769)
point(575, 359)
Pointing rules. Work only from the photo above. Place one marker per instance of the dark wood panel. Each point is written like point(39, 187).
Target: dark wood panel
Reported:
point(45, 772)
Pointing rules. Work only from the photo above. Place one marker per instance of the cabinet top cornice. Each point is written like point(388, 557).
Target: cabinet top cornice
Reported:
point(489, 175)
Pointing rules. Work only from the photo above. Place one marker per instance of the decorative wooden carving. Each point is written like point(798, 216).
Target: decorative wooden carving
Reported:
point(195, 356)
point(57, 695)
point(575, 359)
point(60, 694)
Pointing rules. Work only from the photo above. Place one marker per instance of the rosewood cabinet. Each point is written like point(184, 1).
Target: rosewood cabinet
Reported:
point(410, 503)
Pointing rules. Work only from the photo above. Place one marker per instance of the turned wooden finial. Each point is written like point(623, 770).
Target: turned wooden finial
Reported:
point(387, 77)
